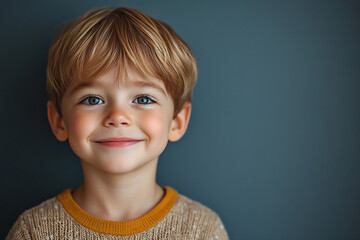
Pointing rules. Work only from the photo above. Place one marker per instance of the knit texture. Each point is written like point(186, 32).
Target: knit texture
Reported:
point(175, 217)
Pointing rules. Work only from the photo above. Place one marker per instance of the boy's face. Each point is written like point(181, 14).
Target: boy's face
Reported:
point(118, 125)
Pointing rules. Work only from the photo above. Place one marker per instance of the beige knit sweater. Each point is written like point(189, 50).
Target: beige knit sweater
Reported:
point(175, 217)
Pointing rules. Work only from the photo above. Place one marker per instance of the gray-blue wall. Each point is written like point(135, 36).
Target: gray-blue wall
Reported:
point(273, 144)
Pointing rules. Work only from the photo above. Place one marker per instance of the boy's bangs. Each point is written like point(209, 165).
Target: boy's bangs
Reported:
point(119, 45)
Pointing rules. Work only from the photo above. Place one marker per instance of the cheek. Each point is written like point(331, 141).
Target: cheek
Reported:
point(80, 125)
point(156, 125)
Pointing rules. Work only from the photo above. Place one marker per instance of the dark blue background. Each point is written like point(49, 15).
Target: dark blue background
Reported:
point(273, 144)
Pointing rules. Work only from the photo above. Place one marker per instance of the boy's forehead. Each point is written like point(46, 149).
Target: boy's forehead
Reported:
point(119, 78)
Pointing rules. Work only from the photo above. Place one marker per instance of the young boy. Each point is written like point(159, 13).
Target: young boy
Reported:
point(120, 86)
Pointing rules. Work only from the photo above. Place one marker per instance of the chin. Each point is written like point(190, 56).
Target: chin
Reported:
point(121, 167)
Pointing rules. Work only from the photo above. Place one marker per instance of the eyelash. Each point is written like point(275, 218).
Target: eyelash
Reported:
point(89, 97)
point(151, 99)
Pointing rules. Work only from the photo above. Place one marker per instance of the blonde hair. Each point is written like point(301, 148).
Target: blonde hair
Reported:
point(107, 38)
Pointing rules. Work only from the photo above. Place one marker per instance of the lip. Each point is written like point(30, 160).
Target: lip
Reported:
point(118, 142)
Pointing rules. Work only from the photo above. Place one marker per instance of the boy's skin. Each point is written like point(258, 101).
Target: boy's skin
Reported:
point(119, 177)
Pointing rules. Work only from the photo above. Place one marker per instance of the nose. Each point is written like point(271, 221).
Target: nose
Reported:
point(117, 116)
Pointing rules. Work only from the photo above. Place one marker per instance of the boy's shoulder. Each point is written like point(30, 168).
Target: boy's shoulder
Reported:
point(32, 219)
point(196, 219)
point(46, 208)
point(187, 206)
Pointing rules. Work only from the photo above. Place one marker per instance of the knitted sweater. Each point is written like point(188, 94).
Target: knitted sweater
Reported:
point(175, 217)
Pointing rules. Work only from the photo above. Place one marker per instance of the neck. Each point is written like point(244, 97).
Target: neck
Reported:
point(118, 197)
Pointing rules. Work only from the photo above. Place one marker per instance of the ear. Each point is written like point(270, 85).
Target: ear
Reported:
point(180, 122)
point(56, 122)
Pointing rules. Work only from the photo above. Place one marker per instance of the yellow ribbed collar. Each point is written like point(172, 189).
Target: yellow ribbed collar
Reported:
point(124, 228)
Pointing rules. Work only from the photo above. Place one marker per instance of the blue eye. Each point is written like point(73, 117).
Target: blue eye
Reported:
point(144, 100)
point(92, 100)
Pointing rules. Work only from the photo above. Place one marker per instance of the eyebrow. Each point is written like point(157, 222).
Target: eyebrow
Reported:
point(82, 86)
point(133, 83)
point(150, 84)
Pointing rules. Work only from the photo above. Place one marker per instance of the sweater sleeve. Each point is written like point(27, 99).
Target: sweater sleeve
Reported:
point(19, 230)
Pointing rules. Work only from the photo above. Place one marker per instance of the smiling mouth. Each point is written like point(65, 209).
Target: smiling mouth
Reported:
point(118, 142)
